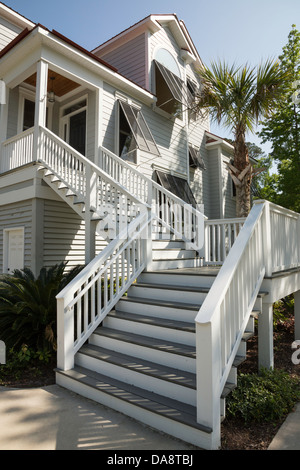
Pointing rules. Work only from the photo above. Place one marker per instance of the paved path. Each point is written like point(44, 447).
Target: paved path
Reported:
point(53, 418)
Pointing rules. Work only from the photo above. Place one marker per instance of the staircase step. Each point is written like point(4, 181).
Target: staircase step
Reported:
point(165, 414)
point(197, 277)
point(169, 292)
point(167, 244)
point(167, 381)
point(168, 353)
point(158, 308)
point(189, 327)
point(172, 253)
point(176, 263)
point(163, 328)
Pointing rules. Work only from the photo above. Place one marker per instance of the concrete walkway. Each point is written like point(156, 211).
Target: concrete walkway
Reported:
point(288, 436)
point(52, 418)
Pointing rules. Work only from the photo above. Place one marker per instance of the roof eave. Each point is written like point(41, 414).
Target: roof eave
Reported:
point(41, 35)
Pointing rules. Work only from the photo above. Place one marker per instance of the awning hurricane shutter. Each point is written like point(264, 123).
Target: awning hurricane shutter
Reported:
point(176, 86)
point(177, 186)
point(140, 131)
point(196, 160)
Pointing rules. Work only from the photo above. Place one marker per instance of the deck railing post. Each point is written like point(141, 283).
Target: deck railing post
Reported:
point(65, 336)
point(90, 206)
point(208, 370)
point(267, 239)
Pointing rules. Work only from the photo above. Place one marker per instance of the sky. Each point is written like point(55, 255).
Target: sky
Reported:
point(234, 31)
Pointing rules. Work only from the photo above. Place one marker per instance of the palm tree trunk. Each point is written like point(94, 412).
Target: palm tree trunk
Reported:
point(241, 163)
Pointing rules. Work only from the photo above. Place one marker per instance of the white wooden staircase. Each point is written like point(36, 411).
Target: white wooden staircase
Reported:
point(141, 361)
point(145, 328)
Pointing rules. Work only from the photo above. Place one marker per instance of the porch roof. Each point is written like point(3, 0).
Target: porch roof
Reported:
point(67, 46)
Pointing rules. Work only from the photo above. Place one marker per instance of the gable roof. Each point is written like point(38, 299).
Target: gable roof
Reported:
point(154, 23)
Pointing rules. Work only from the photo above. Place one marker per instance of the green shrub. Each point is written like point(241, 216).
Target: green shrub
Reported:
point(28, 309)
point(265, 397)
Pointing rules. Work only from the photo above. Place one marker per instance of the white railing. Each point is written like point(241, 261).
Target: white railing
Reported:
point(285, 238)
point(17, 151)
point(85, 302)
point(220, 235)
point(169, 210)
point(225, 312)
point(97, 189)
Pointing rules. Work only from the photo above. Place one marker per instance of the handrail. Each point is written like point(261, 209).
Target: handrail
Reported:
point(64, 158)
point(83, 303)
point(17, 151)
point(224, 314)
point(170, 211)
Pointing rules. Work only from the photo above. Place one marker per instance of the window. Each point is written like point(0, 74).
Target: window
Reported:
point(192, 89)
point(170, 89)
point(177, 186)
point(134, 133)
point(28, 120)
point(196, 161)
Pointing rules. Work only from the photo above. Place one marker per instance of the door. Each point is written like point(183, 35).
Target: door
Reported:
point(77, 131)
point(73, 125)
point(14, 249)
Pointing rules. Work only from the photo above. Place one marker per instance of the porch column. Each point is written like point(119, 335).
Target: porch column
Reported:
point(98, 121)
point(40, 104)
point(4, 97)
point(265, 337)
point(297, 314)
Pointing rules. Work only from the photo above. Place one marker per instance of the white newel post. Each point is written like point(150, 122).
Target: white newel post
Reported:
point(65, 335)
point(90, 205)
point(40, 105)
point(147, 235)
point(267, 239)
point(208, 370)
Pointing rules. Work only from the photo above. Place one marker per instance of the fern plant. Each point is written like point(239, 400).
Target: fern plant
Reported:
point(28, 306)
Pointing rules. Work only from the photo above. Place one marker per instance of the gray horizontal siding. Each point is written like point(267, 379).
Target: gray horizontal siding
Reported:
point(129, 59)
point(64, 235)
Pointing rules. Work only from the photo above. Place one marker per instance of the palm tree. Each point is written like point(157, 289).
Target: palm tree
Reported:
point(238, 97)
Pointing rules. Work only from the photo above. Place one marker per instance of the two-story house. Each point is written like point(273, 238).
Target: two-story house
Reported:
point(147, 74)
point(105, 163)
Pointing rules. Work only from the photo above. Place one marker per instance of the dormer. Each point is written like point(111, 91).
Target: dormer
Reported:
point(158, 54)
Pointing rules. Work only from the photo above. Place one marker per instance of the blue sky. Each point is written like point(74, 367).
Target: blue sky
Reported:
point(237, 31)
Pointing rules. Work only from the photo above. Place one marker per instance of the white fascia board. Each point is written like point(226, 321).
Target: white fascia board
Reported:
point(220, 143)
point(20, 62)
point(15, 18)
point(41, 43)
point(192, 47)
point(152, 23)
point(86, 63)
